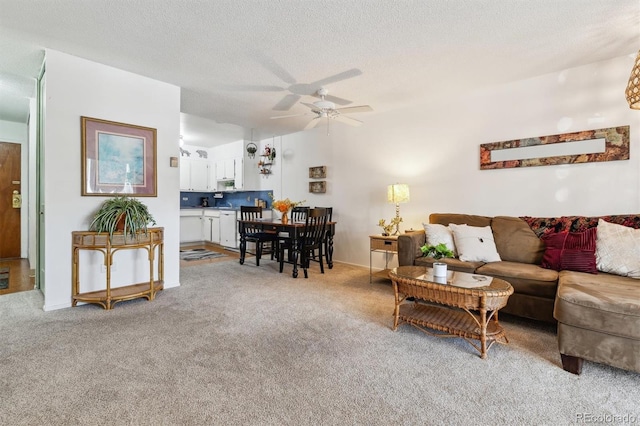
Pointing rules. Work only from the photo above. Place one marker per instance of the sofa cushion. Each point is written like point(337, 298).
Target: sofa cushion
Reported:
point(515, 240)
point(459, 219)
point(525, 278)
point(439, 234)
point(550, 225)
point(572, 251)
point(618, 249)
point(604, 302)
point(475, 243)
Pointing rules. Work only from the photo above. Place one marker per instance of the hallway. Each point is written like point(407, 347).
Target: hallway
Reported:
point(21, 278)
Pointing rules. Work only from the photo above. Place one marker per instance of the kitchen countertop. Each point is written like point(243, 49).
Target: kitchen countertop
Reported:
point(210, 208)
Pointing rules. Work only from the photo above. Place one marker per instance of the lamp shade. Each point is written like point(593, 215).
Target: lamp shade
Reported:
point(633, 88)
point(398, 193)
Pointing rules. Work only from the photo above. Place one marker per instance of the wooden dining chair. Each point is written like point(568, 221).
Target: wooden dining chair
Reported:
point(253, 234)
point(298, 214)
point(310, 239)
point(328, 235)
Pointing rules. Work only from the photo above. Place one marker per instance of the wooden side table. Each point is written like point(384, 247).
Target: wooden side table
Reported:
point(152, 241)
point(383, 244)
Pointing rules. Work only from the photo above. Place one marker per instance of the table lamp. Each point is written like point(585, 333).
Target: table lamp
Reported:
point(396, 194)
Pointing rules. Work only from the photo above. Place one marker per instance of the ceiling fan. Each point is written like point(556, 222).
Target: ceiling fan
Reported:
point(295, 89)
point(327, 109)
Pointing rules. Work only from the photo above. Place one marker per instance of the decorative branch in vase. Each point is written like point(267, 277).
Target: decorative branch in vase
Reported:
point(388, 229)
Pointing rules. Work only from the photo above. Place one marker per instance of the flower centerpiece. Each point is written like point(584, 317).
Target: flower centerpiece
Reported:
point(284, 206)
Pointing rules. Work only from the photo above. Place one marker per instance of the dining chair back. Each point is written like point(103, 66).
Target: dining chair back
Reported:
point(328, 236)
point(253, 234)
point(299, 213)
point(311, 238)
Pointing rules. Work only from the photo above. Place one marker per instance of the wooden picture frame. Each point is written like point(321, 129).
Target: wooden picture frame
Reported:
point(318, 187)
point(613, 146)
point(319, 172)
point(118, 159)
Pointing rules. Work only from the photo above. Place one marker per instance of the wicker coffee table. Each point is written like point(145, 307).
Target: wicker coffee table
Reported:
point(460, 305)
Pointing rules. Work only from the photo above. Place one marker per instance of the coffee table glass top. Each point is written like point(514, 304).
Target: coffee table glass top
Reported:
point(453, 278)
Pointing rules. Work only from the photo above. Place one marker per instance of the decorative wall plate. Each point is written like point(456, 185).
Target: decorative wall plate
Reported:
point(319, 187)
point(319, 172)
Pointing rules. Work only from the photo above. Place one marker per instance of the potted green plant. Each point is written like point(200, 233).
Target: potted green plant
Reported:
point(125, 214)
point(437, 252)
point(252, 148)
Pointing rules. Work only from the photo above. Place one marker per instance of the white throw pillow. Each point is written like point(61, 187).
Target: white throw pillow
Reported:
point(618, 249)
point(475, 243)
point(438, 234)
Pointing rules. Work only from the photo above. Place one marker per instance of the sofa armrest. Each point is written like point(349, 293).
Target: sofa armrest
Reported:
point(409, 247)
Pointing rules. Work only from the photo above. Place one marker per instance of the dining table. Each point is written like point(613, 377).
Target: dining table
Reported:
point(294, 229)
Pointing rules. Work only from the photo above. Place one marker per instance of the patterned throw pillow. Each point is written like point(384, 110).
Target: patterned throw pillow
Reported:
point(618, 249)
point(571, 251)
point(439, 234)
point(475, 243)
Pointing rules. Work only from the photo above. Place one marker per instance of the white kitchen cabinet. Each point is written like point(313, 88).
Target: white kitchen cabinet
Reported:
point(191, 229)
point(211, 225)
point(194, 175)
point(215, 230)
point(238, 172)
point(213, 181)
point(225, 169)
point(200, 175)
point(185, 174)
point(228, 229)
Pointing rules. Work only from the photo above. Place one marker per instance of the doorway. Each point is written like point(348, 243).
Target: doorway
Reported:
point(20, 177)
point(10, 200)
point(15, 273)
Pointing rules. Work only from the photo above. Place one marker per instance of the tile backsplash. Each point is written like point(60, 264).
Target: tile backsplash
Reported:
point(236, 198)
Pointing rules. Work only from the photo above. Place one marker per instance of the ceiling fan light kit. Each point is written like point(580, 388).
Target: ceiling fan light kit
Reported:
point(327, 109)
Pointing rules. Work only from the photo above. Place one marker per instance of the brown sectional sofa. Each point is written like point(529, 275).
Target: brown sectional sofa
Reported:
point(598, 315)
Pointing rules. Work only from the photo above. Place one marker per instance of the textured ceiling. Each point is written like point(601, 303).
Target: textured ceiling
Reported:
point(243, 61)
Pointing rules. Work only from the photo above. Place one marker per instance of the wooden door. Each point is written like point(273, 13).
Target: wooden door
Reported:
point(9, 216)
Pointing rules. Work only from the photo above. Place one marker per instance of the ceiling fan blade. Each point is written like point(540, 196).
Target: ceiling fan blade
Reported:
point(312, 106)
point(252, 88)
point(289, 116)
point(348, 120)
point(274, 67)
point(351, 110)
point(286, 103)
point(313, 123)
point(336, 100)
point(354, 72)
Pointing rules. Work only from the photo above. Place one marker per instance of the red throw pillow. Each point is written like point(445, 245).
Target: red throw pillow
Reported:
point(571, 251)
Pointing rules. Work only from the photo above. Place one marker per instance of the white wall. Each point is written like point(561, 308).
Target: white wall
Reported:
point(32, 161)
point(19, 133)
point(435, 149)
point(75, 88)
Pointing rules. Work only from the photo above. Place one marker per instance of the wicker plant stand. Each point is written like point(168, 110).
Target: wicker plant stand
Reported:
point(464, 305)
point(152, 242)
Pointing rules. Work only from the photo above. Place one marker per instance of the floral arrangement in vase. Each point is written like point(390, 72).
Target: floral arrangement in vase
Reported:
point(284, 206)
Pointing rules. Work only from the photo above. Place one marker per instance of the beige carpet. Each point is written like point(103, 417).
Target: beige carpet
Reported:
point(240, 344)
